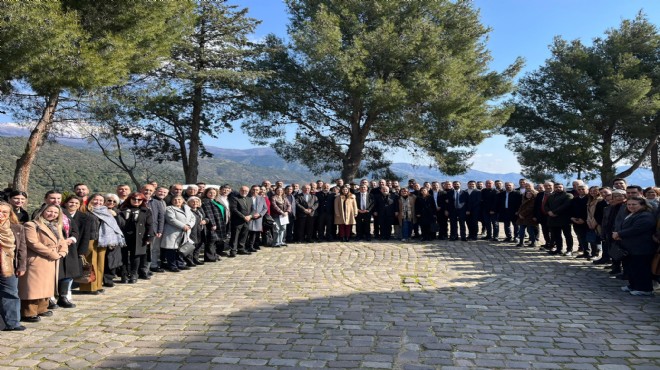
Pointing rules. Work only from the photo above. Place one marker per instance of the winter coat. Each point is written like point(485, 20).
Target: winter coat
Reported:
point(559, 203)
point(43, 251)
point(345, 209)
point(215, 218)
point(175, 219)
point(137, 228)
point(425, 211)
point(259, 206)
point(14, 257)
point(526, 212)
point(70, 266)
point(636, 233)
point(411, 203)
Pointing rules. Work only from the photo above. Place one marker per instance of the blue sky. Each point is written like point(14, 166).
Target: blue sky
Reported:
point(519, 28)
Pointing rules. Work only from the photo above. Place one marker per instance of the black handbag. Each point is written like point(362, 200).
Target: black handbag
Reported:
point(268, 221)
point(187, 246)
point(617, 252)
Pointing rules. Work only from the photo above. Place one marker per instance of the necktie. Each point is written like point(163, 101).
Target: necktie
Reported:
point(364, 203)
point(456, 195)
point(506, 201)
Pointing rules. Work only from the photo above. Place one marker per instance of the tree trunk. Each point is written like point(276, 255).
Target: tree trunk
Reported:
point(655, 164)
point(353, 158)
point(34, 144)
point(193, 158)
point(607, 168)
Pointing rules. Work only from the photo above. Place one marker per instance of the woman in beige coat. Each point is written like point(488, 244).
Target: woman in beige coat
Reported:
point(345, 211)
point(45, 246)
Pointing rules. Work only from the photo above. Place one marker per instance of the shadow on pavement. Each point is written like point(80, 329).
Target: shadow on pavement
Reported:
point(455, 304)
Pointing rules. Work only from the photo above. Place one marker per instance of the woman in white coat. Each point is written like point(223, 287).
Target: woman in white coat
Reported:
point(179, 220)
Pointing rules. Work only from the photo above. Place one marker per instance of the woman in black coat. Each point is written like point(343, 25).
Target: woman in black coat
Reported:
point(636, 236)
point(138, 230)
point(70, 266)
point(215, 230)
point(18, 201)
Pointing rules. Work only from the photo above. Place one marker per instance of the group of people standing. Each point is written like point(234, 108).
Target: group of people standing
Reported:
point(130, 235)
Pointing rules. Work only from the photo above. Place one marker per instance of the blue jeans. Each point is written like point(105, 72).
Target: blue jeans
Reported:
point(10, 304)
point(531, 231)
point(280, 231)
point(406, 229)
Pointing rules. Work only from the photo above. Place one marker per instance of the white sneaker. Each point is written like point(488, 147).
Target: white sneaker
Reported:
point(625, 288)
point(656, 285)
point(641, 293)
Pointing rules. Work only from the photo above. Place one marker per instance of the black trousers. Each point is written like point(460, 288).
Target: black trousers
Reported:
point(442, 225)
point(325, 222)
point(290, 229)
point(639, 273)
point(581, 233)
point(131, 263)
point(363, 225)
point(239, 234)
point(556, 233)
point(472, 221)
point(304, 228)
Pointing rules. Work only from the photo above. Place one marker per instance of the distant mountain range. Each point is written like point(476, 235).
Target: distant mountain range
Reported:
point(246, 166)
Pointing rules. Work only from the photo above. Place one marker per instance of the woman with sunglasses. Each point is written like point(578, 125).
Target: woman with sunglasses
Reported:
point(138, 231)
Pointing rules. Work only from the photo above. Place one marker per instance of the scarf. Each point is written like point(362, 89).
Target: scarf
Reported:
point(109, 233)
point(220, 206)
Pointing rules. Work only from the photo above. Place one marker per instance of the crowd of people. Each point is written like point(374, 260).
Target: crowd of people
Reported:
point(89, 242)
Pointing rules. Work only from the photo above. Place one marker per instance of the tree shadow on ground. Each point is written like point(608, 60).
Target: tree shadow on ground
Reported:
point(463, 305)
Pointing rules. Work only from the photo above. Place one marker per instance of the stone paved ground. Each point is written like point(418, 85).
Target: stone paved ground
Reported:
point(356, 305)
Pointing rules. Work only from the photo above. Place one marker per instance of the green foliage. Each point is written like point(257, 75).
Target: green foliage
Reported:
point(361, 78)
point(194, 93)
point(72, 45)
point(591, 108)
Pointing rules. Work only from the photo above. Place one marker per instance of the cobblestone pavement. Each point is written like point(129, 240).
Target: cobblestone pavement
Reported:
point(356, 305)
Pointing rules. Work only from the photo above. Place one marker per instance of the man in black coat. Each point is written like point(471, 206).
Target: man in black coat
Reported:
point(456, 201)
point(508, 203)
point(384, 208)
point(325, 213)
point(472, 209)
point(489, 211)
point(442, 215)
point(541, 213)
point(375, 192)
point(239, 206)
point(307, 205)
point(579, 219)
point(558, 207)
point(365, 204)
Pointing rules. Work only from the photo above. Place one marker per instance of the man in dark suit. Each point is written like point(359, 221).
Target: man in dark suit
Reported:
point(365, 204)
point(385, 204)
point(443, 212)
point(306, 204)
point(489, 211)
point(436, 195)
point(239, 205)
point(559, 219)
point(325, 213)
point(290, 196)
point(375, 192)
point(508, 203)
point(457, 200)
point(541, 213)
point(473, 209)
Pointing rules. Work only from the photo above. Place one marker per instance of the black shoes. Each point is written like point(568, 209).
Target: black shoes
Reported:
point(48, 313)
point(15, 328)
point(156, 269)
point(243, 253)
point(52, 304)
point(31, 318)
point(232, 254)
point(65, 303)
point(109, 284)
